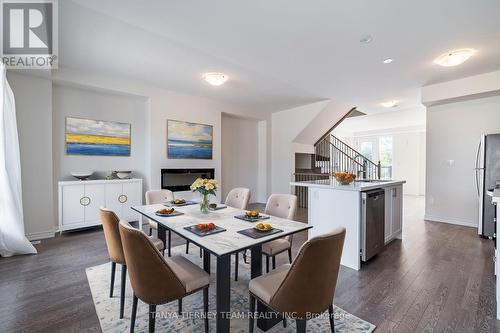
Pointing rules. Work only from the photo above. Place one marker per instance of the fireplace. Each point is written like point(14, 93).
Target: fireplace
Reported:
point(181, 179)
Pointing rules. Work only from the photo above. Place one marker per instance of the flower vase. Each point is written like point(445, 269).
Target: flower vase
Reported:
point(204, 204)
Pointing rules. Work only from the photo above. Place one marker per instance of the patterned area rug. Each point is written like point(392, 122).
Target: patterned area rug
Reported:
point(169, 321)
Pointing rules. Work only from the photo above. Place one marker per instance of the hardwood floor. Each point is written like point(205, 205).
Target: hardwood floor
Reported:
point(439, 279)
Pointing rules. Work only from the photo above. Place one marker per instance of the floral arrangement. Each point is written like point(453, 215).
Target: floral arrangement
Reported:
point(206, 187)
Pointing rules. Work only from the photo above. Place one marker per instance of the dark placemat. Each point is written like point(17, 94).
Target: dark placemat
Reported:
point(249, 219)
point(200, 233)
point(187, 203)
point(175, 213)
point(218, 207)
point(255, 234)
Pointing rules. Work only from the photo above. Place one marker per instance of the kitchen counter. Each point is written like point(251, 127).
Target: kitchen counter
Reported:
point(332, 205)
point(359, 186)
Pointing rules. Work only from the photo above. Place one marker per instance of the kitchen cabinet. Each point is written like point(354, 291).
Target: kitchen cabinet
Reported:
point(80, 201)
point(393, 212)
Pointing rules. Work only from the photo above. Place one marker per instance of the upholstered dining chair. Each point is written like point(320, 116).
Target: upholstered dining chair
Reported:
point(110, 223)
point(284, 206)
point(307, 286)
point(158, 280)
point(157, 197)
point(238, 198)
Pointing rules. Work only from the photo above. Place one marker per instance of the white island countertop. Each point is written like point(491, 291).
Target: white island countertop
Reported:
point(359, 186)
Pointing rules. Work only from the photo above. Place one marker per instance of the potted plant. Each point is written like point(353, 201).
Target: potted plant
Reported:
point(206, 187)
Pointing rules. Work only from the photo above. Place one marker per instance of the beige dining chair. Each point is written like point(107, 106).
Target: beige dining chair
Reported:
point(158, 280)
point(307, 286)
point(157, 197)
point(238, 198)
point(110, 223)
point(284, 206)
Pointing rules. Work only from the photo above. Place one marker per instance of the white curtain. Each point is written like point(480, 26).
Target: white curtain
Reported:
point(12, 238)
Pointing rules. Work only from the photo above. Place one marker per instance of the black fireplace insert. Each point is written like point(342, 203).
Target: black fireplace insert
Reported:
point(181, 179)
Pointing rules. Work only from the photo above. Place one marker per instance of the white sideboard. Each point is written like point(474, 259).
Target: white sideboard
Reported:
point(79, 201)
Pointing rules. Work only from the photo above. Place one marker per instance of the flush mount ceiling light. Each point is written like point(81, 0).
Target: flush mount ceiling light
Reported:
point(366, 39)
point(214, 78)
point(387, 61)
point(390, 104)
point(454, 58)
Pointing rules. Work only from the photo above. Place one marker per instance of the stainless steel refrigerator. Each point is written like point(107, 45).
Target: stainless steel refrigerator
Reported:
point(487, 174)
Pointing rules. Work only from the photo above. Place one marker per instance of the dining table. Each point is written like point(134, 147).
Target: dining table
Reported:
point(222, 245)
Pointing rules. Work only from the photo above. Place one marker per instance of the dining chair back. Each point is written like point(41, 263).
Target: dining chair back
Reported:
point(238, 198)
point(158, 196)
point(282, 205)
point(147, 266)
point(309, 286)
point(110, 224)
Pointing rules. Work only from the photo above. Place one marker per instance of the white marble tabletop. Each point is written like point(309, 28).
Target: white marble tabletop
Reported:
point(229, 241)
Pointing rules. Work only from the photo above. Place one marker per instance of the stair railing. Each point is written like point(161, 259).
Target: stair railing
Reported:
point(333, 155)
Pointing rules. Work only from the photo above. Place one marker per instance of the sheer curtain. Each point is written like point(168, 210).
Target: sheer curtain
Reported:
point(12, 239)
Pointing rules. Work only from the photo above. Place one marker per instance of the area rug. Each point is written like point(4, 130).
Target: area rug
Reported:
point(189, 321)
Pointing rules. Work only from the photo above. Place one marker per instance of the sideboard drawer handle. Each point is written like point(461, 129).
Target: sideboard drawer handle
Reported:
point(85, 201)
point(122, 198)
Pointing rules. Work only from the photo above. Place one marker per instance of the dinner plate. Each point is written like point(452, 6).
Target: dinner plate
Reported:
point(175, 213)
point(262, 230)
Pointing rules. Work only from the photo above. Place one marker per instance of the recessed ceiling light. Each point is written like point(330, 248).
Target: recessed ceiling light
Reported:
point(387, 61)
point(214, 78)
point(454, 58)
point(366, 39)
point(390, 104)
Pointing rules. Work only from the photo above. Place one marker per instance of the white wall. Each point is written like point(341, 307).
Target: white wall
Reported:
point(240, 159)
point(99, 105)
point(34, 121)
point(102, 97)
point(453, 133)
point(408, 157)
point(286, 125)
point(167, 105)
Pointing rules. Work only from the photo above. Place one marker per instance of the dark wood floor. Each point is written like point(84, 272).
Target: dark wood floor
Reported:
point(439, 279)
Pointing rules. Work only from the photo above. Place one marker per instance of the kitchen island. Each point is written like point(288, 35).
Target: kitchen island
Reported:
point(332, 205)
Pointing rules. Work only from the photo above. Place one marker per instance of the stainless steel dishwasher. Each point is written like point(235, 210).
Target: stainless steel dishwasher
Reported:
point(372, 223)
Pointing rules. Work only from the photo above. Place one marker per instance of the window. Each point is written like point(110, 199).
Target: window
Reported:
point(385, 156)
point(366, 149)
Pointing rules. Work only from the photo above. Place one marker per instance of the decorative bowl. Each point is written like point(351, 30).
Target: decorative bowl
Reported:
point(344, 178)
point(82, 175)
point(123, 174)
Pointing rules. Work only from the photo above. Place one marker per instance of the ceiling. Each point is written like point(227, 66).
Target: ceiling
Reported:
point(380, 122)
point(279, 54)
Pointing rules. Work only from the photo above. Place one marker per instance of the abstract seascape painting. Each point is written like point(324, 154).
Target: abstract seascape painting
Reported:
point(97, 137)
point(189, 140)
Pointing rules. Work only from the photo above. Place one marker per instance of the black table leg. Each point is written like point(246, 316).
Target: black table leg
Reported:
point(206, 261)
point(223, 293)
point(169, 243)
point(162, 233)
point(271, 318)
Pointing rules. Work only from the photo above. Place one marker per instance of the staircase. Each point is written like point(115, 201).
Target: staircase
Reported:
point(334, 155)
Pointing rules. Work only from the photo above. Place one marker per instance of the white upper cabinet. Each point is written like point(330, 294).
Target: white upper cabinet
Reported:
point(79, 201)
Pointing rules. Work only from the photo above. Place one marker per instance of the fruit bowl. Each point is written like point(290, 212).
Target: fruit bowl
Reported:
point(253, 214)
point(344, 178)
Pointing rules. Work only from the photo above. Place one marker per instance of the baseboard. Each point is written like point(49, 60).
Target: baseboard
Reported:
point(40, 235)
point(462, 222)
